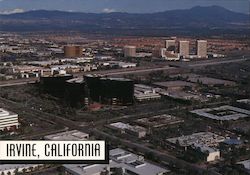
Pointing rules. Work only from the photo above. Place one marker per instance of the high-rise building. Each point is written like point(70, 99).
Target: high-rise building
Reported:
point(72, 51)
point(129, 51)
point(201, 48)
point(170, 45)
point(184, 48)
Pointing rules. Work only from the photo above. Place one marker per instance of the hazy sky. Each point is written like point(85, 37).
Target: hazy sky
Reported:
point(134, 6)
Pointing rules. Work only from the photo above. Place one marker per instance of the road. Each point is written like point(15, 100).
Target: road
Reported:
point(18, 82)
point(158, 154)
point(139, 70)
point(66, 123)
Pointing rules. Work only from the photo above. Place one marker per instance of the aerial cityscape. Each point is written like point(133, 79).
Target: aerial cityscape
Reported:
point(168, 91)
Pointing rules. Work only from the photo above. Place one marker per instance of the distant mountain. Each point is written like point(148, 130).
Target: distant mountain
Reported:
point(196, 18)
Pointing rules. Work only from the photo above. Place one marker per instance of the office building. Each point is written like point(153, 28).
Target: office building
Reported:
point(8, 120)
point(201, 48)
point(129, 51)
point(170, 45)
point(184, 48)
point(55, 85)
point(73, 51)
point(75, 92)
point(223, 113)
point(115, 91)
point(126, 162)
point(134, 130)
point(159, 121)
point(143, 93)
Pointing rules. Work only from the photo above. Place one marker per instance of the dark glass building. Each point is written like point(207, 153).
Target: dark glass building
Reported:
point(55, 85)
point(118, 91)
point(75, 92)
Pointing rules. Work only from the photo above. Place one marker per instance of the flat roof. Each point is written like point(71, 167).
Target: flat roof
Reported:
point(245, 101)
point(159, 120)
point(124, 126)
point(73, 135)
point(170, 84)
point(223, 113)
point(75, 80)
point(119, 158)
point(207, 141)
point(5, 113)
point(246, 164)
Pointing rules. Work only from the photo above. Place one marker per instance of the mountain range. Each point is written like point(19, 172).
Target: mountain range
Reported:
point(196, 18)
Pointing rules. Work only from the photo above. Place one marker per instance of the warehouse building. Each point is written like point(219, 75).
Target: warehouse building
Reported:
point(126, 162)
point(206, 142)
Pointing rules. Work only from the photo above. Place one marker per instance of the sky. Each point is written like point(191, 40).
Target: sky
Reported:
point(106, 6)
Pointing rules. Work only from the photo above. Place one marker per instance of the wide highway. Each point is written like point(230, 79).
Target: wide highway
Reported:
point(139, 70)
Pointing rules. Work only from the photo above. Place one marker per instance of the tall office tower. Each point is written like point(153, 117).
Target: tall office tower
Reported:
point(202, 48)
point(184, 48)
point(170, 45)
point(72, 51)
point(129, 51)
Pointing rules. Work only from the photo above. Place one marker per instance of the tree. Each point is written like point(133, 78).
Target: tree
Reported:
point(24, 170)
point(16, 171)
point(118, 171)
point(31, 168)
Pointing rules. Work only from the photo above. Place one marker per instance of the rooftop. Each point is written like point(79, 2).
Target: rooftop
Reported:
point(4, 167)
point(119, 158)
point(73, 135)
point(170, 84)
point(159, 120)
point(246, 164)
point(4, 113)
point(223, 113)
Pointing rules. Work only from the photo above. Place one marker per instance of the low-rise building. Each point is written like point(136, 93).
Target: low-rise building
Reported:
point(143, 92)
point(8, 120)
point(205, 141)
point(174, 85)
point(137, 131)
point(12, 169)
point(159, 121)
point(223, 113)
point(73, 135)
point(246, 164)
point(126, 162)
